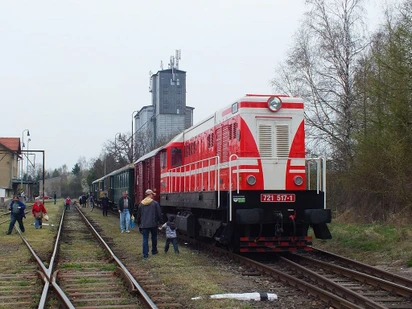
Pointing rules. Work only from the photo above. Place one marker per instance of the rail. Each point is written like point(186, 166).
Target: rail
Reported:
point(147, 300)
point(46, 271)
point(49, 277)
point(330, 298)
point(373, 271)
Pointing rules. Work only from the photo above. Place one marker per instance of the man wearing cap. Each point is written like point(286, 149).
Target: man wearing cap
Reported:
point(148, 217)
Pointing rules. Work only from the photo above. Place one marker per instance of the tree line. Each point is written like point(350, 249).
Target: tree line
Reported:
point(357, 89)
point(114, 155)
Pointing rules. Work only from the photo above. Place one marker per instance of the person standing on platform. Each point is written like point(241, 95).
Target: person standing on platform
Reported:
point(105, 204)
point(38, 210)
point(125, 204)
point(149, 216)
point(84, 200)
point(16, 208)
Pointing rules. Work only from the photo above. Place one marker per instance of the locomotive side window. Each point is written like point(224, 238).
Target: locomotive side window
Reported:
point(176, 157)
point(163, 159)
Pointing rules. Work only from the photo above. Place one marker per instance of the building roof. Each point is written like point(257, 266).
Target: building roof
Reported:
point(11, 143)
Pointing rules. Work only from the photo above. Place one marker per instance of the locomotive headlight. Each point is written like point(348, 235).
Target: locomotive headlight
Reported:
point(274, 104)
point(251, 180)
point(298, 180)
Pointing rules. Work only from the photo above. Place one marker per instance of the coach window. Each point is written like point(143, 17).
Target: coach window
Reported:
point(163, 159)
point(176, 159)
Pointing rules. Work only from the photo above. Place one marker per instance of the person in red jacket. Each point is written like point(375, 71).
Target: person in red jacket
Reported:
point(38, 210)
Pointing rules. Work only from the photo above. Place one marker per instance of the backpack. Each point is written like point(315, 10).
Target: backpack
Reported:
point(15, 208)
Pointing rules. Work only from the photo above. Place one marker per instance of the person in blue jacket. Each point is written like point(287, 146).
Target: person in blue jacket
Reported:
point(16, 214)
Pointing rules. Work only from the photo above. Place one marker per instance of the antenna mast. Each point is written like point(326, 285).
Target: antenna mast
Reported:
point(178, 57)
point(150, 81)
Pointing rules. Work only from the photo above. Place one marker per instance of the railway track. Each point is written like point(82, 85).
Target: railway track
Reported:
point(362, 267)
point(155, 289)
point(336, 286)
point(15, 282)
point(381, 288)
point(85, 273)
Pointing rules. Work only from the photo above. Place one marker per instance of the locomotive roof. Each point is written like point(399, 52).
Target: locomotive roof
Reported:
point(149, 154)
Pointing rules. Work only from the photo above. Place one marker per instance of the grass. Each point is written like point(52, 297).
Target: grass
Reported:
point(372, 243)
point(110, 267)
point(71, 266)
point(186, 275)
point(22, 283)
point(86, 280)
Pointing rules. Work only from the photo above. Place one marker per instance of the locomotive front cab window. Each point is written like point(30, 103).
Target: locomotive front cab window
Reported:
point(176, 157)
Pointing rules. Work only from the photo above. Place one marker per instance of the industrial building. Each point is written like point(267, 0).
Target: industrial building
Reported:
point(168, 114)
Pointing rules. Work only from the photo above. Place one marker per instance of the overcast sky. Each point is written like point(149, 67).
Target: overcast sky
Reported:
point(72, 72)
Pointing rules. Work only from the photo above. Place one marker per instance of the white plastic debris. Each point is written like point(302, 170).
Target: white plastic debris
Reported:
point(242, 296)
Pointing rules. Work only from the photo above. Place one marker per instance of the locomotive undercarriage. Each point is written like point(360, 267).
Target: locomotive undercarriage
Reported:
point(269, 227)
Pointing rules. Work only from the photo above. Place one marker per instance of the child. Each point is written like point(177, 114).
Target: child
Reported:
point(67, 203)
point(171, 237)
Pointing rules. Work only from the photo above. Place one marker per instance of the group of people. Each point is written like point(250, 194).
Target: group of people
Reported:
point(148, 216)
point(17, 213)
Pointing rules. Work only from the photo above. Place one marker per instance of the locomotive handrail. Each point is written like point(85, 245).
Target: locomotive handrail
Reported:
point(230, 182)
point(188, 171)
point(320, 174)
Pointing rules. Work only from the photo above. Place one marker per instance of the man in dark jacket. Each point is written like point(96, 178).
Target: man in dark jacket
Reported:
point(125, 206)
point(16, 214)
point(148, 217)
point(105, 204)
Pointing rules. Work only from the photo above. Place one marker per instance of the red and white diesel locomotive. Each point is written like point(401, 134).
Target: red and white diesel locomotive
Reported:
point(240, 177)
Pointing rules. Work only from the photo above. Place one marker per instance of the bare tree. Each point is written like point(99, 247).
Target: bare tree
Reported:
point(144, 142)
point(320, 68)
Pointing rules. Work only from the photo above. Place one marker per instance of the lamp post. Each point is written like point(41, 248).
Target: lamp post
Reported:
point(22, 157)
point(27, 157)
point(133, 114)
point(115, 146)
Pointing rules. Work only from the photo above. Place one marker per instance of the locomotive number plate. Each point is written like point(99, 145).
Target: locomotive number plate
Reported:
point(277, 198)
